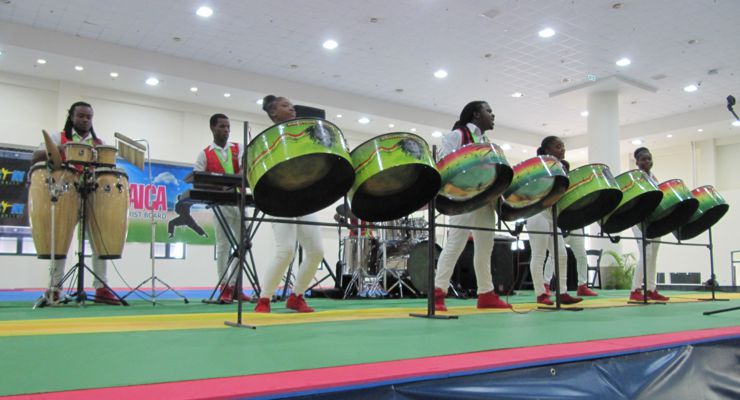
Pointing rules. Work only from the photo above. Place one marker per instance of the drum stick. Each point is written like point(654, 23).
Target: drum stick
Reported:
point(129, 141)
point(52, 152)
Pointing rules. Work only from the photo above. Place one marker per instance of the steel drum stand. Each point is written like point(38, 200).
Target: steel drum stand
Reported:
point(556, 264)
point(713, 279)
point(643, 243)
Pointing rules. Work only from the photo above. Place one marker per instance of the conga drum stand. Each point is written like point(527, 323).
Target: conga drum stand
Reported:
point(48, 297)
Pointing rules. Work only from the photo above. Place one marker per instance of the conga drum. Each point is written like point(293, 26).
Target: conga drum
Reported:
point(593, 193)
point(106, 155)
point(107, 212)
point(712, 207)
point(78, 153)
point(674, 210)
point(472, 176)
point(640, 197)
point(394, 176)
point(65, 213)
point(538, 184)
point(298, 167)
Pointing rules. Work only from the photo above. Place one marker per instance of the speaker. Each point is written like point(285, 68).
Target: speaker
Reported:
point(502, 268)
point(306, 111)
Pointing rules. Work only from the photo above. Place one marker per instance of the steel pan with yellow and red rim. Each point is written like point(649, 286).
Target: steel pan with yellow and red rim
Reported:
point(395, 175)
point(712, 207)
point(640, 197)
point(674, 210)
point(538, 183)
point(298, 167)
point(472, 176)
point(593, 193)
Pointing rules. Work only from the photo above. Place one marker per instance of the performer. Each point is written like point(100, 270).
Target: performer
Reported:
point(644, 161)
point(541, 243)
point(475, 119)
point(223, 157)
point(280, 109)
point(78, 128)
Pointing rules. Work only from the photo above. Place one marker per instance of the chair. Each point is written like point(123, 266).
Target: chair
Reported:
point(594, 268)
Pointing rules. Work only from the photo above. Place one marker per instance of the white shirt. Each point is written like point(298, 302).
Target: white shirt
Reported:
point(453, 140)
point(200, 162)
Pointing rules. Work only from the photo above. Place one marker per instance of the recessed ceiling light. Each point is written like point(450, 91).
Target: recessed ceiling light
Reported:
point(637, 142)
point(506, 146)
point(669, 136)
point(1, 52)
point(623, 62)
point(339, 115)
point(440, 74)
point(413, 129)
point(194, 89)
point(260, 101)
point(41, 61)
point(584, 113)
point(227, 94)
point(204, 12)
point(517, 94)
point(79, 68)
point(391, 125)
point(524, 150)
point(330, 44)
point(364, 120)
point(152, 81)
point(690, 88)
point(113, 74)
point(546, 33)
point(736, 123)
point(700, 130)
point(436, 134)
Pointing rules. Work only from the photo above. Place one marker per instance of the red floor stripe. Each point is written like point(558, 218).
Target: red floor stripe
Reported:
point(364, 374)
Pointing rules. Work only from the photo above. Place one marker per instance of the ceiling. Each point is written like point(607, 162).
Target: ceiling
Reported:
point(387, 54)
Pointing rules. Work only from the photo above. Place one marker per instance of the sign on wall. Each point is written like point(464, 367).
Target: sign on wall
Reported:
point(14, 166)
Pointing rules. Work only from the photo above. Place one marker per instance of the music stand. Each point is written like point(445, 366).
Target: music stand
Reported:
point(133, 151)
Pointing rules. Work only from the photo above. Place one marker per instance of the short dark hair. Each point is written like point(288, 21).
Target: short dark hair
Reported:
point(546, 142)
point(639, 150)
point(268, 102)
point(215, 118)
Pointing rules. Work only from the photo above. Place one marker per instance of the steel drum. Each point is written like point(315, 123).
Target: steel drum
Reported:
point(298, 167)
point(538, 184)
point(640, 197)
point(394, 176)
point(674, 210)
point(472, 176)
point(712, 207)
point(593, 193)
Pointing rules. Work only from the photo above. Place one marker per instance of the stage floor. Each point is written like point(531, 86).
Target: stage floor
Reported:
point(71, 347)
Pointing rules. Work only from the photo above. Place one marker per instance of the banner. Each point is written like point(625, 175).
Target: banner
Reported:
point(175, 222)
point(14, 166)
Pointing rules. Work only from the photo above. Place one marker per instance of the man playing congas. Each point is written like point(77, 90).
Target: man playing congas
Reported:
point(78, 128)
point(223, 157)
point(476, 118)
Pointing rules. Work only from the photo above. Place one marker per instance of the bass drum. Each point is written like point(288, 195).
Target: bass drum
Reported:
point(417, 265)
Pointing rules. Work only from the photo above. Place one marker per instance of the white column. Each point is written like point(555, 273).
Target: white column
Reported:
point(703, 168)
point(603, 129)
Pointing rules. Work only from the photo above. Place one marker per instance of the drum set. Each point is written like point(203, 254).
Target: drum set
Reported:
point(83, 185)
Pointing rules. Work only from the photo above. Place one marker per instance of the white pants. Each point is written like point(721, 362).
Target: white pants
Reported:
point(578, 245)
point(484, 217)
point(309, 237)
point(100, 268)
point(223, 247)
point(652, 256)
point(541, 244)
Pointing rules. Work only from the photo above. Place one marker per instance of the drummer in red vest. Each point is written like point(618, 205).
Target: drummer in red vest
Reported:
point(223, 157)
point(280, 109)
point(475, 119)
point(78, 128)
point(644, 161)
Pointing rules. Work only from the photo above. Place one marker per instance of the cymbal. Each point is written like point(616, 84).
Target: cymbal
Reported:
point(53, 156)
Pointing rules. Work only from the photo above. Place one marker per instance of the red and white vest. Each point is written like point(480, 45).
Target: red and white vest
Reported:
point(213, 164)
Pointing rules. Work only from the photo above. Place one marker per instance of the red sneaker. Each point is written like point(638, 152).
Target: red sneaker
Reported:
point(105, 296)
point(636, 295)
point(243, 296)
point(547, 289)
point(263, 305)
point(491, 300)
point(298, 303)
point(544, 299)
point(565, 298)
point(439, 299)
point(583, 290)
point(654, 295)
point(227, 294)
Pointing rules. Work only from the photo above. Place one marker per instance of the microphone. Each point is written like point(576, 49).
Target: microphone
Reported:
point(730, 104)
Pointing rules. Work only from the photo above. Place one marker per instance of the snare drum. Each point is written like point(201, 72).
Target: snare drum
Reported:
point(394, 176)
point(472, 176)
point(712, 207)
point(593, 193)
point(79, 153)
point(298, 167)
point(106, 155)
point(360, 253)
point(674, 210)
point(65, 213)
point(538, 183)
point(640, 197)
point(107, 212)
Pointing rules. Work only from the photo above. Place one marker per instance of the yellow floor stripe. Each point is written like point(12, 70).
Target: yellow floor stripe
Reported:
point(61, 326)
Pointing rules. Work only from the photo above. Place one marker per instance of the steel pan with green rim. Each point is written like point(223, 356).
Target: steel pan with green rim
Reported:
point(640, 197)
point(674, 210)
point(394, 176)
point(298, 167)
point(472, 176)
point(712, 207)
point(538, 184)
point(593, 193)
